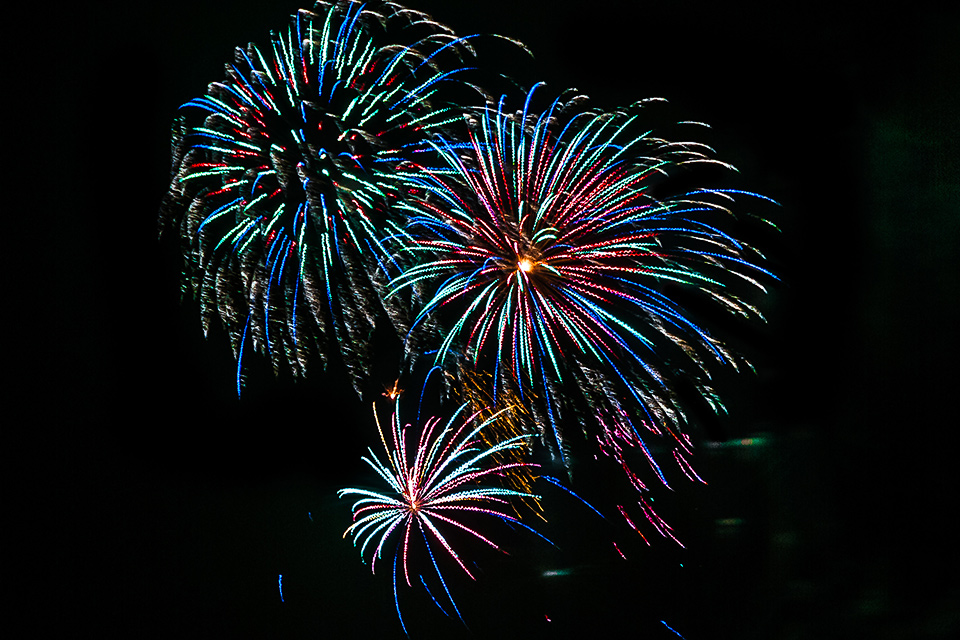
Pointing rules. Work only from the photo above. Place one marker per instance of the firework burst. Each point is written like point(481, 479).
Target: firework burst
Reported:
point(283, 178)
point(547, 246)
point(440, 482)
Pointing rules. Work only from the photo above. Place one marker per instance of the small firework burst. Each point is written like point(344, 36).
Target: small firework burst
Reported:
point(443, 479)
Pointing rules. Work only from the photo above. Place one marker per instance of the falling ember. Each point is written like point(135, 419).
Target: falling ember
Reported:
point(618, 550)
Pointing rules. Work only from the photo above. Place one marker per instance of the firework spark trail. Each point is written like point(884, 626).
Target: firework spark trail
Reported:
point(550, 247)
point(283, 178)
point(449, 471)
point(475, 388)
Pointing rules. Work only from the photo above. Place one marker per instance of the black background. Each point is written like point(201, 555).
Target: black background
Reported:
point(154, 503)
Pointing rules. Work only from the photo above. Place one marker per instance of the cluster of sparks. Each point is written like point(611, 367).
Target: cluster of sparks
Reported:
point(475, 388)
point(332, 185)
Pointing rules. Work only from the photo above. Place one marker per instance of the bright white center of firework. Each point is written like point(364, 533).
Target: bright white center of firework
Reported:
point(525, 264)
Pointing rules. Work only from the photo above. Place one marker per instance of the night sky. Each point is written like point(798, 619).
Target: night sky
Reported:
point(154, 503)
